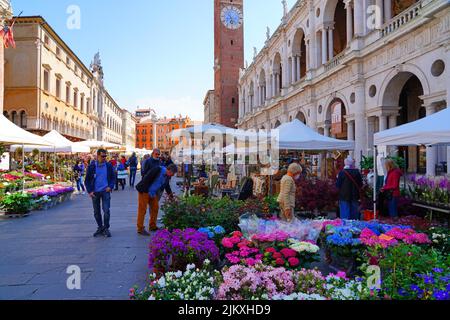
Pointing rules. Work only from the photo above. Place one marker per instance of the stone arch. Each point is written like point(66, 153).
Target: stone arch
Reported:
point(298, 60)
point(277, 124)
point(301, 116)
point(337, 96)
point(334, 15)
point(396, 79)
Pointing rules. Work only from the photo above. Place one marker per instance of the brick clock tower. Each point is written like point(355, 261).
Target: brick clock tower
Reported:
point(229, 58)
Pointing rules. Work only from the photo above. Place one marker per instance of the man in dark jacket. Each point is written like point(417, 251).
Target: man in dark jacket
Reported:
point(153, 162)
point(133, 164)
point(100, 181)
point(349, 183)
point(150, 191)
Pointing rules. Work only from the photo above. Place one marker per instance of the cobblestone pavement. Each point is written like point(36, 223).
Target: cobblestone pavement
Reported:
point(36, 251)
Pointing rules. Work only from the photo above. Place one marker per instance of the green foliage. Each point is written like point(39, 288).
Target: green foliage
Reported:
point(402, 265)
point(367, 163)
point(18, 203)
point(196, 212)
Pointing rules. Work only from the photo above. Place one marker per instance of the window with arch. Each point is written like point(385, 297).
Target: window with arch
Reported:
point(23, 119)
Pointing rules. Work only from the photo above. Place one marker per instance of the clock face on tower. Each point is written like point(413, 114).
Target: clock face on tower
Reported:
point(231, 17)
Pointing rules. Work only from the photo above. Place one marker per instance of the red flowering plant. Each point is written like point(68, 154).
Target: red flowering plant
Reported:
point(317, 195)
point(239, 250)
point(281, 251)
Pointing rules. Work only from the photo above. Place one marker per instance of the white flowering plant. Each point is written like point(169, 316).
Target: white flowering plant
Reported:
point(193, 284)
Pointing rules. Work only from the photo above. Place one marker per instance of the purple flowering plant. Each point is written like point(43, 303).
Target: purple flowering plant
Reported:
point(173, 251)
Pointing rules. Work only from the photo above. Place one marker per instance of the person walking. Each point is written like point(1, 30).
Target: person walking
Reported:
point(150, 191)
point(288, 190)
point(391, 190)
point(153, 162)
point(132, 164)
point(78, 170)
point(100, 180)
point(349, 183)
point(122, 175)
point(115, 163)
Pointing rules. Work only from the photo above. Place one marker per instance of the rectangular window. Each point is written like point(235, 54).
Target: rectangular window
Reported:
point(46, 80)
point(82, 104)
point(58, 88)
point(67, 94)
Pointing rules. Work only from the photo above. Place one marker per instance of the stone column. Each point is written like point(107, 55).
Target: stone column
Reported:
point(293, 69)
point(383, 123)
point(379, 4)
point(431, 151)
point(298, 63)
point(324, 46)
point(273, 85)
point(351, 130)
point(360, 122)
point(326, 130)
point(308, 55)
point(392, 121)
point(359, 18)
point(330, 43)
point(387, 10)
point(448, 160)
point(348, 7)
point(370, 131)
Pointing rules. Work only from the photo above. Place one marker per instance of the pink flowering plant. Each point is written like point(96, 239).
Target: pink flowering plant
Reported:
point(239, 250)
point(393, 237)
point(255, 283)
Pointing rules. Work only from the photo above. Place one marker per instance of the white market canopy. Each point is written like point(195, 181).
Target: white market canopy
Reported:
point(92, 144)
point(61, 145)
point(431, 130)
point(12, 134)
point(296, 135)
point(210, 129)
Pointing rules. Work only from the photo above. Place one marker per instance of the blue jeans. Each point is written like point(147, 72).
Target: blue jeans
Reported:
point(80, 185)
point(393, 207)
point(133, 176)
point(102, 200)
point(349, 210)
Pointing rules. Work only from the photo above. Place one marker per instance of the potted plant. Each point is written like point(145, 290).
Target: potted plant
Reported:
point(366, 165)
point(17, 203)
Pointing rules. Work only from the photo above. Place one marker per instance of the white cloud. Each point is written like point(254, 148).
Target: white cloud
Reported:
point(170, 107)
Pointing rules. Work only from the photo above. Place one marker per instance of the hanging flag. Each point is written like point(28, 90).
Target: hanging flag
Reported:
point(8, 35)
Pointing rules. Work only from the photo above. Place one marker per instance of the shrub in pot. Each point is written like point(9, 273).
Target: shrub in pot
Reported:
point(17, 203)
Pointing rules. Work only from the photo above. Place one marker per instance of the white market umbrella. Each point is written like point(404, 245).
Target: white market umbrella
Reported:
point(12, 134)
point(296, 135)
point(431, 130)
point(61, 145)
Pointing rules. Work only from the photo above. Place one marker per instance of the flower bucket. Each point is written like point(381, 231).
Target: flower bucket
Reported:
point(369, 215)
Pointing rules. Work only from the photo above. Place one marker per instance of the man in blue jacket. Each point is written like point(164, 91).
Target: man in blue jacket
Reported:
point(100, 181)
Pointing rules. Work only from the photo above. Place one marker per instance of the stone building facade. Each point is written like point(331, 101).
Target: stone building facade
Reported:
point(5, 14)
point(210, 112)
point(47, 87)
point(128, 128)
point(351, 68)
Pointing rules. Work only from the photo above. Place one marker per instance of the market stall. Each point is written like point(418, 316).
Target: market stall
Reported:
point(430, 131)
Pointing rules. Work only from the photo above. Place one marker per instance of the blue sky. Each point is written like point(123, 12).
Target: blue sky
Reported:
point(154, 53)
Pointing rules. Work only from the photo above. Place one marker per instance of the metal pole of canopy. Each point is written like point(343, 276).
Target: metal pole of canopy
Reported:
point(54, 163)
point(23, 167)
point(375, 178)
